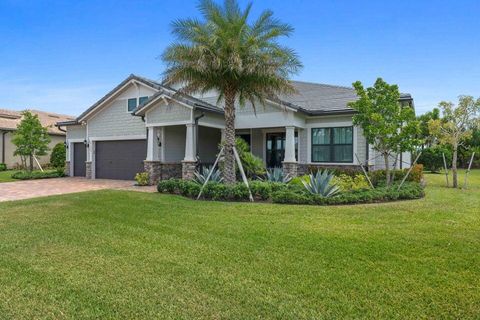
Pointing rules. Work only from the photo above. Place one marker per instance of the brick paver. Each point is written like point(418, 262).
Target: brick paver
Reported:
point(46, 187)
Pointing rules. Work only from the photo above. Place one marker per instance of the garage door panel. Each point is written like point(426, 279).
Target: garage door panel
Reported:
point(119, 159)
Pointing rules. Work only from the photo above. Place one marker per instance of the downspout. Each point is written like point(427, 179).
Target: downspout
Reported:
point(196, 132)
point(60, 128)
point(3, 145)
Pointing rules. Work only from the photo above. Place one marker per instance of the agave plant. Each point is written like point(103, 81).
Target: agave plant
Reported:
point(201, 176)
point(277, 175)
point(321, 183)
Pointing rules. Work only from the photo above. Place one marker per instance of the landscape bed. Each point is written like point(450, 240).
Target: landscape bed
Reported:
point(288, 193)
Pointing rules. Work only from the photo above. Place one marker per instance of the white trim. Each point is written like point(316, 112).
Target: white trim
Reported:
point(115, 138)
point(71, 153)
point(210, 125)
point(170, 123)
point(164, 97)
point(126, 104)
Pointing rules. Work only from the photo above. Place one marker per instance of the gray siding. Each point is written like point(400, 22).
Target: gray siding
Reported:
point(174, 143)
point(114, 120)
point(208, 141)
point(162, 113)
point(76, 132)
point(361, 146)
point(257, 143)
point(302, 146)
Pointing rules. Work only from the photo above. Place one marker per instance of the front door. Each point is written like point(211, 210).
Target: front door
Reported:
point(275, 149)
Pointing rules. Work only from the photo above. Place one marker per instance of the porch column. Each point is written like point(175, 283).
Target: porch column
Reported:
point(290, 145)
point(289, 163)
point(190, 143)
point(150, 143)
point(189, 163)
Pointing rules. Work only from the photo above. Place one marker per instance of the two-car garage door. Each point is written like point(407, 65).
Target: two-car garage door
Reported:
point(119, 159)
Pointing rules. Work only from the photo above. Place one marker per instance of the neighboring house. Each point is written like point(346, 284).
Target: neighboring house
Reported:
point(9, 119)
point(145, 125)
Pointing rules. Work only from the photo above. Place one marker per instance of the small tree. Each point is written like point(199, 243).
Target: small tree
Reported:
point(388, 125)
point(31, 139)
point(58, 156)
point(456, 126)
point(425, 136)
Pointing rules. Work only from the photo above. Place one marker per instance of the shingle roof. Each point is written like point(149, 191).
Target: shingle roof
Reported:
point(9, 119)
point(310, 98)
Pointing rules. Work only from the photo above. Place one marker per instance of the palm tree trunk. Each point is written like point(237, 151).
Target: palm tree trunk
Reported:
point(454, 166)
point(229, 163)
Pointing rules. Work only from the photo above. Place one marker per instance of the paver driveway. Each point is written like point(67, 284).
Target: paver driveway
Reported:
point(47, 187)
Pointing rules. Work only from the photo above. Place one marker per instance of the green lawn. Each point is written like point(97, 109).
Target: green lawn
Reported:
point(6, 176)
point(119, 254)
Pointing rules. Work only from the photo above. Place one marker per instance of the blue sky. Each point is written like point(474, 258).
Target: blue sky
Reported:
point(62, 56)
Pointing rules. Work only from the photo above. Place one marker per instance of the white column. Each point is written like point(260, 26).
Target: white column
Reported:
point(190, 143)
point(150, 143)
point(290, 145)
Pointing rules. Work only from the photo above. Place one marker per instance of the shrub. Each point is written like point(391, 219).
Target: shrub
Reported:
point(25, 175)
point(378, 176)
point(57, 157)
point(417, 173)
point(142, 178)
point(201, 176)
point(168, 186)
point(432, 158)
point(3, 167)
point(252, 165)
point(321, 184)
point(261, 189)
point(349, 183)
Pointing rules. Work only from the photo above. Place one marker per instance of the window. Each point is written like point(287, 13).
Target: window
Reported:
point(142, 100)
point(131, 104)
point(332, 144)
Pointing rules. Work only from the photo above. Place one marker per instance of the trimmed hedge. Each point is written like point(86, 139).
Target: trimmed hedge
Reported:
point(25, 175)
point(410, 190)
point(287, 193)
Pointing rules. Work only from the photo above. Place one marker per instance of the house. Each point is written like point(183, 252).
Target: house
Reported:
point(145, 125)
point(9, 119)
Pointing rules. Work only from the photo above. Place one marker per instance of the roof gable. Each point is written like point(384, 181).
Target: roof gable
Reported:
point(115, 92)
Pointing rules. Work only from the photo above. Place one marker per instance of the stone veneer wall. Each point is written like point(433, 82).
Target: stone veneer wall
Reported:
point(88, 169)
point(188, 170)
point(67, 168)
point(162, 171)
point(290, 168)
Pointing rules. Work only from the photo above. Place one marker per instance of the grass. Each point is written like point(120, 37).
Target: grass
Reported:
point(124, 255)
point(6, 176)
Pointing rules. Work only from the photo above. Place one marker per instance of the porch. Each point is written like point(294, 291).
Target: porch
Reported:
point(176, 151)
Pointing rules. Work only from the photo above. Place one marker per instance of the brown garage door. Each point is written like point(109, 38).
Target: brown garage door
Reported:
point(79, 158)
point(119, 160)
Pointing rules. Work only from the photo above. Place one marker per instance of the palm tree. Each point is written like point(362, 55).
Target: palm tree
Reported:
point(224, 52)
